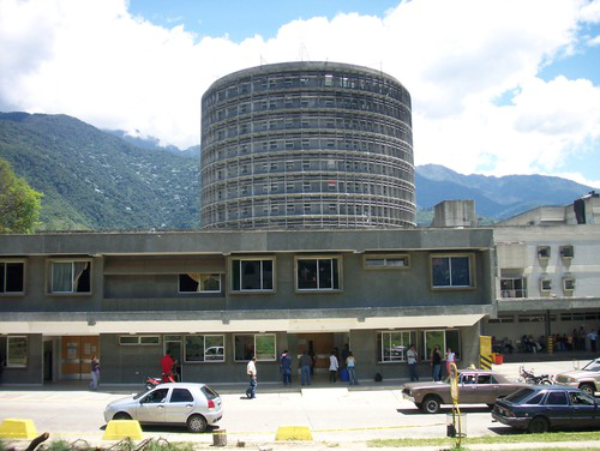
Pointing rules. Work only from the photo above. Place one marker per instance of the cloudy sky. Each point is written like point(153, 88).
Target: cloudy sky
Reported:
point(498, 86)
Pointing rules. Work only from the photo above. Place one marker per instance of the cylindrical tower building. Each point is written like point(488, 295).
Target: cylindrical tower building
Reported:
point(307, 145)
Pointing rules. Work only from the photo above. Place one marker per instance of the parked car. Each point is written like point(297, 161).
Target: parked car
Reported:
point(586, 379)
point(474, 387)
point(195, 406)
point(539, 408)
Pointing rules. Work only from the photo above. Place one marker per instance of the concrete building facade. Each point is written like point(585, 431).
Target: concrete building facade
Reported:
point(307, 145)
point(216, 298)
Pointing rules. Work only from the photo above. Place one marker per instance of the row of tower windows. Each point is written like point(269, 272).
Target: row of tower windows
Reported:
point(327, 80)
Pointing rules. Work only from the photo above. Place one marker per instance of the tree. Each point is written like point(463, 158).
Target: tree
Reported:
point(19, 203)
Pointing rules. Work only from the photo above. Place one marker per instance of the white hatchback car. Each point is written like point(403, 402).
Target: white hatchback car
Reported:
point(195, 406)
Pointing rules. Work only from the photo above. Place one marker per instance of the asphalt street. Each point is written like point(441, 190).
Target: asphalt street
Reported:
point(333, 414)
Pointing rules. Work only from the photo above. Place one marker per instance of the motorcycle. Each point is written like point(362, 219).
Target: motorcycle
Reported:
point(151, 382)
point(530, 377)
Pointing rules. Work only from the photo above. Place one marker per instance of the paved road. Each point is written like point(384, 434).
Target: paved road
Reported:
point(333, 414)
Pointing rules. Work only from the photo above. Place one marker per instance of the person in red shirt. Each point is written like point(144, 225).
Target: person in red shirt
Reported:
point(166, 363)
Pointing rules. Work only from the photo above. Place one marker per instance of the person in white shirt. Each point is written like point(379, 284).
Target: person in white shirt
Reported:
point(450, 358)
point(412, 357)
point(252, 373)
point(333, 367)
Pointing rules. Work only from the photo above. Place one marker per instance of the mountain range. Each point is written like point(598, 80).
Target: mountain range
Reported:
point(108, 180)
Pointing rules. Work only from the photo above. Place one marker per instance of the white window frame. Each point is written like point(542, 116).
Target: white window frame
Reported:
point(297, 260)
point(385, 259)
point(564, 285)
point(200, 290)
point(544, 250)
point(51, 290)
point(8, 362)
point(545, 290)
point(141, 340)
point(383, 333)
point(13, 293)
point(470, 258)
point(274, 359)
point(567, 249)
point(445, 347)
point(253, 258)
point(204, 340)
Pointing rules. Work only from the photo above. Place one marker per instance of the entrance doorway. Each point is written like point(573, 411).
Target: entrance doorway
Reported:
point(173, 343)
point(76, 354)
point(318, 345)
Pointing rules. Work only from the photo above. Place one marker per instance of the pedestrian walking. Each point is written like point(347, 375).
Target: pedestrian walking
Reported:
point(412, 358)
point(333, 367)
point(351, 365)
point(285, 364)
point(305, 363)
point(592, 337)
point(253, 375)
point(95, 373)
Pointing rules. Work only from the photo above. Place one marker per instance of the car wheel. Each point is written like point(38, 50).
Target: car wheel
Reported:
point(431, 404)
point(588, 388)
point(122, 416)
point(538, 425)
point(196, 423)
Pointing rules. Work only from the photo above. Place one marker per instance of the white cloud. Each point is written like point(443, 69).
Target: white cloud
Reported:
point(92, 59)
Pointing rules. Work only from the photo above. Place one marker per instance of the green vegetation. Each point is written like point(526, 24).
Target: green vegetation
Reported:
point(497, 439)
point(19, 203)
point(92, 180)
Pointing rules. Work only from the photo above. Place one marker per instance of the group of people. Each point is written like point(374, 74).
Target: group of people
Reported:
point(578, 340)
point(435, 357)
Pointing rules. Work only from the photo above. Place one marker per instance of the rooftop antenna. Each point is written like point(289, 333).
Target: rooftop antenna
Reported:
point(304, 53)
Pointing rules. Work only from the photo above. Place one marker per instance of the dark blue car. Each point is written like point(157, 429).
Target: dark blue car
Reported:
point(539, 408)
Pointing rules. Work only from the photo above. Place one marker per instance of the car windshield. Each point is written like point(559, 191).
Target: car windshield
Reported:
point(140, 394)
point(594, 365)
point(519, 396)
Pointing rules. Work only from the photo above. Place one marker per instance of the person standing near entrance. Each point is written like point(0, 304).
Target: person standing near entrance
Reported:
point(436, 363)
point(305, 367)
point(351, 366)
point(285, 365)
point(333, 367)
point(253, 374)
point(592, 337)
point(166, 365)
point(95, 373)
point(412, 358)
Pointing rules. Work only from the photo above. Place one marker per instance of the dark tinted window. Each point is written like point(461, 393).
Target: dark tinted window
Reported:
point(537, 399)
point(520, 395)
point(484, 379)
point(181, 395)
point(581, 399)
point(11, 277)
point(556, 398)
point(157, 396)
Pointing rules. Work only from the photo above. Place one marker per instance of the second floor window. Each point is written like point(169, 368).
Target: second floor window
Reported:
point(513, 287)
point(71, 277)
point(252, 275)
point(199, 283)
point(318, 274)
point(451, 271)
point(11, 277)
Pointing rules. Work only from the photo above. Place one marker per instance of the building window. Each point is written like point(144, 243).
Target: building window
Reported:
point(252, 275)
point(204, 348)
point(263, 346)
point(71, 277)
point(568, 285)
point(139, 340)
point(393, 345)
point(12, 276)
point(16, 352)
point(567, 252)
point(199, 283)
point(444, 339)
point(386, 262)
point(513, 287)
point(543, 252)
point(545, 285)
point(318, 273)
point(451, 271)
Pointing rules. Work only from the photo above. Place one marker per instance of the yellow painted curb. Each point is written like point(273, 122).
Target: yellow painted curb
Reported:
point(16, 428)
point(293, 433)
point(120, 429)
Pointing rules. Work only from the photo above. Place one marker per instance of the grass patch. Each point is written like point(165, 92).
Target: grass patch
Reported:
point(517, 437)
